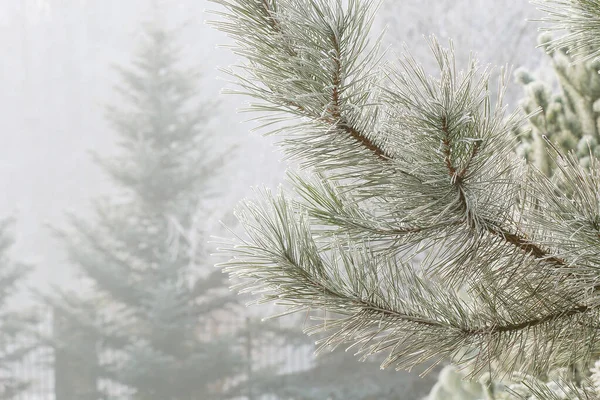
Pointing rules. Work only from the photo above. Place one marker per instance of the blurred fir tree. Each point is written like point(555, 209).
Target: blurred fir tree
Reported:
point(154, 309)
point(15, 326)
point(570, 110)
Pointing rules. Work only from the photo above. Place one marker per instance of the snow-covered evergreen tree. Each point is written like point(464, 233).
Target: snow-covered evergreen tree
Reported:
point(15, 326)
point(143, 256)
point(570, 115)
point(398, 164)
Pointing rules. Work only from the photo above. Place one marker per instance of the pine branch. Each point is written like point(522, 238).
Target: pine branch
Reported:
point(481, 147)
point(402, 164)
point(264, 67)
point(383, 306)
point(289, 55)
point(335, 109)
point(530, 323)
point(278, 33)
point(520, 241)
point(570, 216)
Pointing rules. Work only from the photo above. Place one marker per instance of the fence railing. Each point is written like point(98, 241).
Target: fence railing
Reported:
point(40, 367)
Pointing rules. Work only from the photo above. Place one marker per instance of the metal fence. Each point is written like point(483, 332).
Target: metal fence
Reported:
point(38, 367)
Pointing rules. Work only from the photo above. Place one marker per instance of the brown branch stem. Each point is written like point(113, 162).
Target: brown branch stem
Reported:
point(335, 116)
point(581, 309)
point(367, 306)
point(515, 239)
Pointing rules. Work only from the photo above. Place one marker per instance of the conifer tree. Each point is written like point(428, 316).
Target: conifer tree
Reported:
point(397, 163)
point(155, 300)
point(15, 327)
point(569, 116)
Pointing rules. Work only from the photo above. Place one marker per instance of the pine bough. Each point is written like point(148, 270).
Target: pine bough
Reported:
point(398, 166)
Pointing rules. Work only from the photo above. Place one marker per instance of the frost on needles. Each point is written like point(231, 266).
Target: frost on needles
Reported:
point(399, 166)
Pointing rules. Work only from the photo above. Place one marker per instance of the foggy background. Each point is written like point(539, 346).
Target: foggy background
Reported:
point(58, 75)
